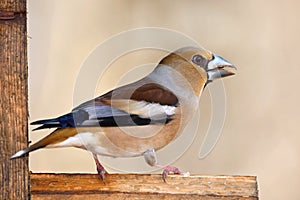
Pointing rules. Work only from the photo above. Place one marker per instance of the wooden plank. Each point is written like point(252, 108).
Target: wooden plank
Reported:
point(14, 179)
point(142, 186)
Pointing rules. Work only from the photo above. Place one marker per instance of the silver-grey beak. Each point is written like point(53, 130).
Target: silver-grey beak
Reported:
point(219, 68)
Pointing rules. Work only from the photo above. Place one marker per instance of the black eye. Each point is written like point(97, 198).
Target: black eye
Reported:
point(199, 60)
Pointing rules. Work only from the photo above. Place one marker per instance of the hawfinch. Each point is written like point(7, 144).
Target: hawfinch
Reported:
point(141, 117)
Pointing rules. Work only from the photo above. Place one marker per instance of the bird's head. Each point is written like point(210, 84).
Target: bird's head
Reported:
point(198, 66)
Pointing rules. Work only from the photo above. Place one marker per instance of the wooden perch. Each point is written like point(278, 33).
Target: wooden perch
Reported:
point(142, 186)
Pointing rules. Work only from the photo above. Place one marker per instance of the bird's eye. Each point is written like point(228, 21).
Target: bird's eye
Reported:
point(199, 60)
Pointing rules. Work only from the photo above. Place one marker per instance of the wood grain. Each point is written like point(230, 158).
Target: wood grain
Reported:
point(13, 5)
point(142, 186)
point(13, 102)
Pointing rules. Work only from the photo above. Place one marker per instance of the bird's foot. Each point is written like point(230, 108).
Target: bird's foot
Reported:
point(170, 170)
point(100, 169)
point(150, 158)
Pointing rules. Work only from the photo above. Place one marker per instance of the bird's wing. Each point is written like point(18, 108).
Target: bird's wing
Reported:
point(129, 105)
point(143, 109)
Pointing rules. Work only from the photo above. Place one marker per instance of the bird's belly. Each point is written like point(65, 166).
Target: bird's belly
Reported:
point(125, 141)
point(136, 140)
point(95, 141)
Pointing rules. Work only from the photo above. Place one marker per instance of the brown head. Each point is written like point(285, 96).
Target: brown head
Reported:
point(199, 66)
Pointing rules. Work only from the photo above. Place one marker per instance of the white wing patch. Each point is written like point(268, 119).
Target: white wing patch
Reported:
point(143, 109)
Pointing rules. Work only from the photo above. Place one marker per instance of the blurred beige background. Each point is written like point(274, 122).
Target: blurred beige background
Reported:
point(261, 134)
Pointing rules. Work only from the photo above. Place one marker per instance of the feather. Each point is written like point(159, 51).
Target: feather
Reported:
point(69, 120)
point(56, 136)
point(143, 109)
point(139, 91)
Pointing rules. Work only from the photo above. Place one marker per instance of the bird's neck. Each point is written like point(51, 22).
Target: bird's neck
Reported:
point(179, 79)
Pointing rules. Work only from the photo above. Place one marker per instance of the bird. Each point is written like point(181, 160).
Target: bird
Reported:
point(141, 117)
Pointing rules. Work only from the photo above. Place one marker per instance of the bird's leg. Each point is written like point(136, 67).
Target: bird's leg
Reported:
point(100, 169)
point(150, 158)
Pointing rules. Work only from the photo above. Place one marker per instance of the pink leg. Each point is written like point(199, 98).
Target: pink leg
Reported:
point(100, 169)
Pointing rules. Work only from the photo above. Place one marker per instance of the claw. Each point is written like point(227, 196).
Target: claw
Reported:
point(169, 170)
point(150, 158)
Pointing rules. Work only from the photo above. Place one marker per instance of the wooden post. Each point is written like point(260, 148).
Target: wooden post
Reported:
point(142, 186)
point(14, 181)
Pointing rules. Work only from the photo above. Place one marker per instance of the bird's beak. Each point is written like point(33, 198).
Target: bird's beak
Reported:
point(219, 68)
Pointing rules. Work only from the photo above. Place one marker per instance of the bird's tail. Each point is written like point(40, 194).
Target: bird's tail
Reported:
point(23, 152)
point(67, 120)
point(47, 123)
point(56, 136)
